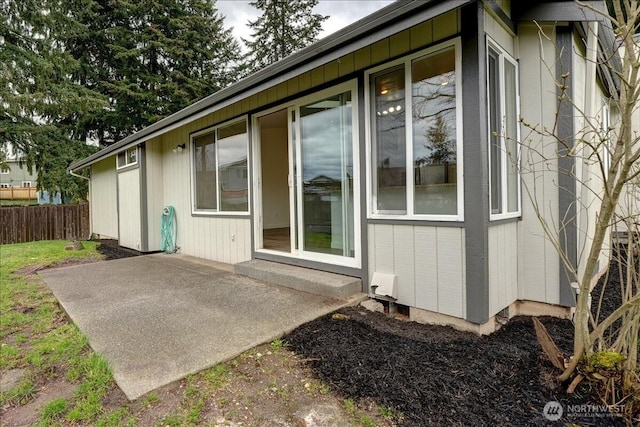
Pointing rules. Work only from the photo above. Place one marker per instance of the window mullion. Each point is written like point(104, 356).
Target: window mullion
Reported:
point(410, 179)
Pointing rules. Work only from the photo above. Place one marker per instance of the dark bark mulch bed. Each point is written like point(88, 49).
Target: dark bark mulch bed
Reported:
point(435, 375)
point(111, 250)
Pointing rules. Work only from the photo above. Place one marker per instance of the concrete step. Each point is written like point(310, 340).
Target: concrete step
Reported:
point(303, 279)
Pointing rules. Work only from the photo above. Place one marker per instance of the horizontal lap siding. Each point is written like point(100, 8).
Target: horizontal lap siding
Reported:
point(428, 263)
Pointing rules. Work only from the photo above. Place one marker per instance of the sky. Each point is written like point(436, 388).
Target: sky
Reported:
point(341, 13)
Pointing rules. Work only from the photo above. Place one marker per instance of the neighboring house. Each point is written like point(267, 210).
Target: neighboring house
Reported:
point(14, 174)
point(378, 153)
point(16, 182)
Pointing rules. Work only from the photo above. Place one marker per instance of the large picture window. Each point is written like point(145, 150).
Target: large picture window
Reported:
point(504, 158)
point(219, 165)
point(416, 138)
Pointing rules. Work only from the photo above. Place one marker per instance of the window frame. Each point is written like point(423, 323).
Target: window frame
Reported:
point(406, 64)
point(26, 182)
point(214, 130)
point(502, 55)
point(127, 163)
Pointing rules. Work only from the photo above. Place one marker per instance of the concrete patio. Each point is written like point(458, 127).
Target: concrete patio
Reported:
point(158, 318)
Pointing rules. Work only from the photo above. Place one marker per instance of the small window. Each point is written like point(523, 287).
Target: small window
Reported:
point(220, 169)
point(26, 184)
point(4, 169)
point(504, 150)
point(4, 185)
point(128, 157)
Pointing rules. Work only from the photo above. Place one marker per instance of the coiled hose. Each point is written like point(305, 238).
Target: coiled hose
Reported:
point(168, 230)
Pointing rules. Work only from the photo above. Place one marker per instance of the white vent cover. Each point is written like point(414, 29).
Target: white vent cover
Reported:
point(384, 284)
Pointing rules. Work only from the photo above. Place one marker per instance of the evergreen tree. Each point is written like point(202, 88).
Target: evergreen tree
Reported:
point(152, 58)
point(41, 104)
point(99, 70)
point(284, 27)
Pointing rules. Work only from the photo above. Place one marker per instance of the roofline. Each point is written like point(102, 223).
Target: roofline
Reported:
point(368, 24)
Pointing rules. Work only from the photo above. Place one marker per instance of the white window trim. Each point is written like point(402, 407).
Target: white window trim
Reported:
point(26, 186)
point(352, 86)
point(503, 55)
point(372, 212)
point(217, 212)
point(4, 171)
point(126, 157)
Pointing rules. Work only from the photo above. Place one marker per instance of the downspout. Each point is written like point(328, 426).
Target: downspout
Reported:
point(72, 173)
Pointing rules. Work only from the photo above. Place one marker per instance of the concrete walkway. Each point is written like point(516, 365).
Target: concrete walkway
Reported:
point(158, 318)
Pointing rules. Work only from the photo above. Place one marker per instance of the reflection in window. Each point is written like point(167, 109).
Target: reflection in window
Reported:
point(434, 134)
point(390, 141)
point(503, 132)
point(326, 143)
point(128, 157)
point(220, 169)
point(232, 162)
point(204, 150)
point(430, 186)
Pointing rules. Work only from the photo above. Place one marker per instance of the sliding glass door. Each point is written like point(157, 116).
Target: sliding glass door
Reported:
point(325, 193)
point(308, 151)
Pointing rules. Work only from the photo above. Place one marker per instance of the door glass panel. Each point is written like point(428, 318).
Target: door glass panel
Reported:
point(327, 176)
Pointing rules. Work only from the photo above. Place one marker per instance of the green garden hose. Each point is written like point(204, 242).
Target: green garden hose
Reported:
point(168, 230)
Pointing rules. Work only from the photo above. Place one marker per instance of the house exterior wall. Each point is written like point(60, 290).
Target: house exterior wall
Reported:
point(428, 262)
point(129, 218)
point(103, 199)
point(503, 248)
point(589, 99)
point(219, 238)
point(469, 268)
point(503, 266)
point(154, 192)
point(538, 261)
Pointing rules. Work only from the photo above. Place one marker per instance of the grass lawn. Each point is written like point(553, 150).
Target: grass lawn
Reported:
point(37, 337)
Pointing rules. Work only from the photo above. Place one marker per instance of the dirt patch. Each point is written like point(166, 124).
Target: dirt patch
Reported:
point(28, 414)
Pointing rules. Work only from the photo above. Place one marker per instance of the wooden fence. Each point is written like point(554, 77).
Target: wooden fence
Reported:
point(19, 224)
point(18, 193)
